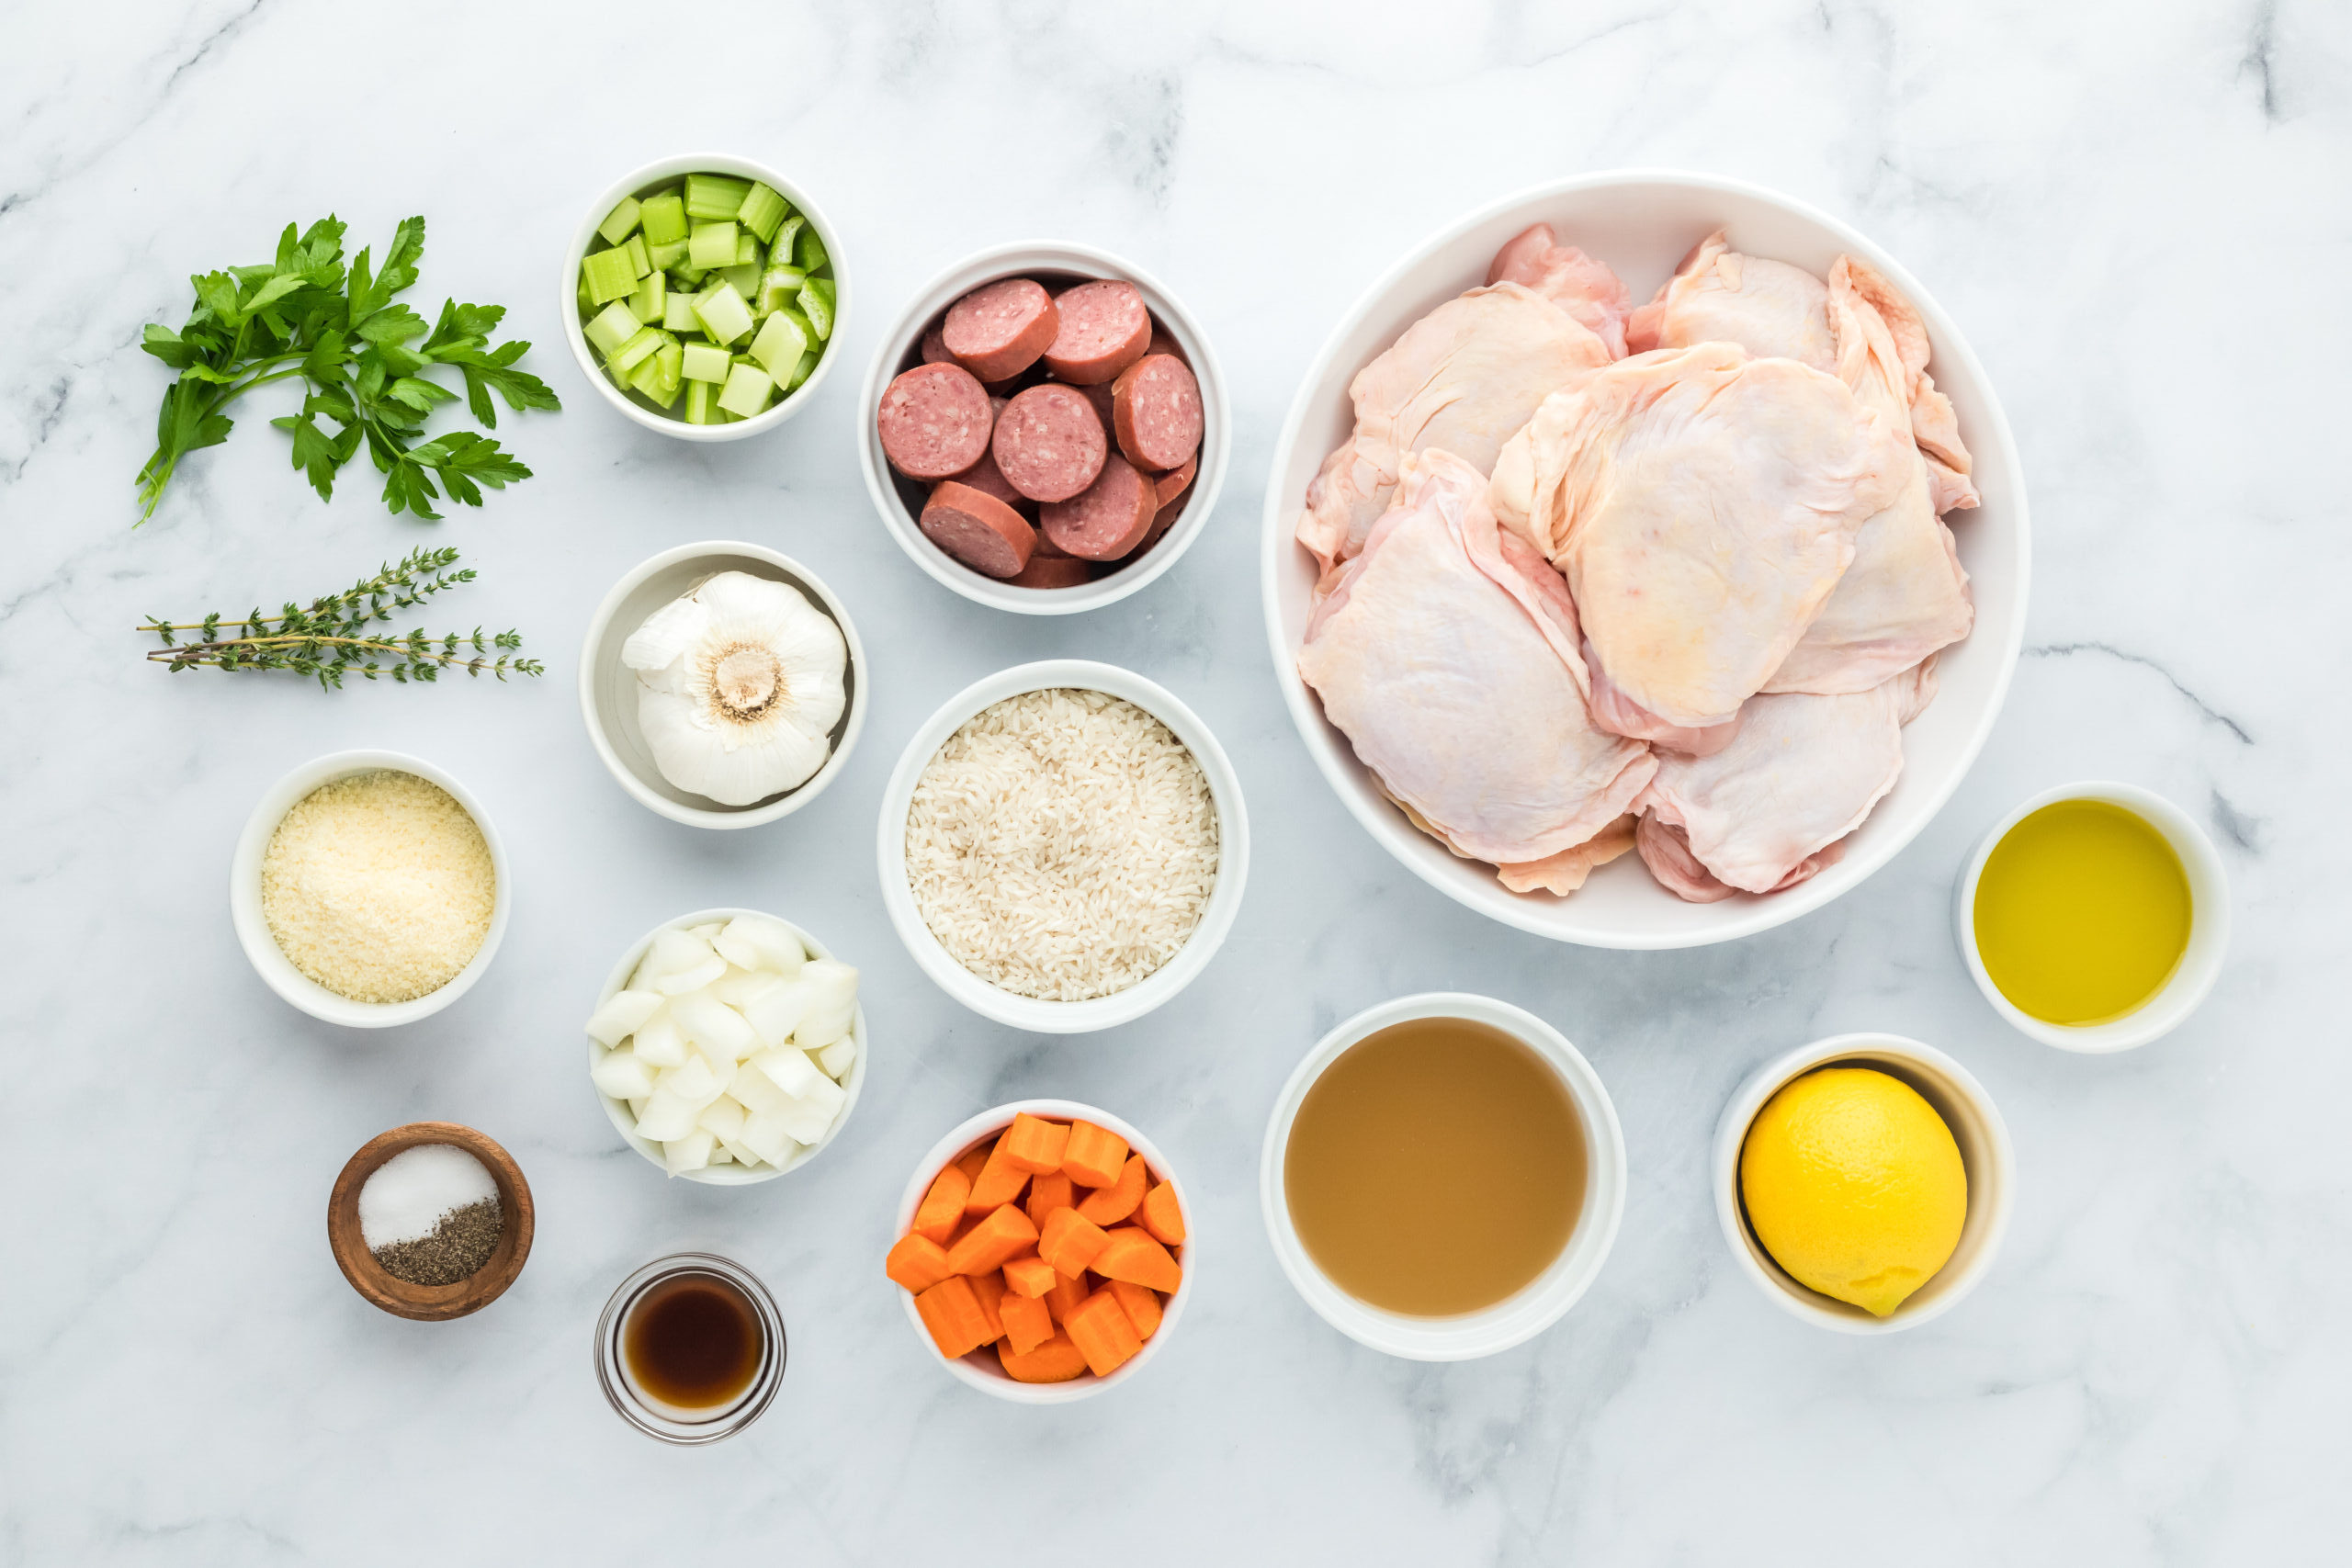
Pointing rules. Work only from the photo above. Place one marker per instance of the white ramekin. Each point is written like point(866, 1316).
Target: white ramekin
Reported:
point(1120, 1007)
point(1533, 1308)
point(660, 170)
point(1029, 259)
point(980, 1369)
point(1984, 1154)
point(2209, 932)
point(253, 928)
point(608, 688)
point(616, 1111)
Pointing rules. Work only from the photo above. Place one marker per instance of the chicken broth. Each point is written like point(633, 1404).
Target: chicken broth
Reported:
point(1435, 1167)
point(694, 1344)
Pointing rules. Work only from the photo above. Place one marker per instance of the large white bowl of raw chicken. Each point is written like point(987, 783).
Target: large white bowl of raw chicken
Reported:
point(1646, 560)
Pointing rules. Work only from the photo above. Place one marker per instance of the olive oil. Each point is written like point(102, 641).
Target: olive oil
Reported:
point(694, 1343)
point(2082, 913)
point(1435, 1167)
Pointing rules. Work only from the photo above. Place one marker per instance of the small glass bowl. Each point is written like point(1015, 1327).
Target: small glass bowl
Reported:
point(724, 1421)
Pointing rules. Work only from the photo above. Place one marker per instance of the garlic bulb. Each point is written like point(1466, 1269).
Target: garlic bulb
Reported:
point(739, 687)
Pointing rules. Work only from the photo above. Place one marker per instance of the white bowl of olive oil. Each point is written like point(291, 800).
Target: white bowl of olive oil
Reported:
point(2095, 917)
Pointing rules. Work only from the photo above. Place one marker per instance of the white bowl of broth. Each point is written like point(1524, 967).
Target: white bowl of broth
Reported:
point(1444, 1177)
point(2095, 917)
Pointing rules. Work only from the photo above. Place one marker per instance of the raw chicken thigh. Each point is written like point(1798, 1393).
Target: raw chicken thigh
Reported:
point(1703, 504)
point(1582, 287)
point(1905, 596)
point(1463, 378)
point(1447, 652)
point(1769, 308)
point(1802, 772)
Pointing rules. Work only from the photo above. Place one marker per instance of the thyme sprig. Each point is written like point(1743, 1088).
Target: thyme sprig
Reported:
point(335, 635)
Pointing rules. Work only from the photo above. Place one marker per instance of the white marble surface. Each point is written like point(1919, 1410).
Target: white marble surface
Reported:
point(2138, 213)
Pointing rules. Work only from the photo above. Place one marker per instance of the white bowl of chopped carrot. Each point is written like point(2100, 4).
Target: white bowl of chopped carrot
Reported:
point(1043, 1251)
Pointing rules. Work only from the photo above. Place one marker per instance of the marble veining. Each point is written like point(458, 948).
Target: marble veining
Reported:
point(2136, 213)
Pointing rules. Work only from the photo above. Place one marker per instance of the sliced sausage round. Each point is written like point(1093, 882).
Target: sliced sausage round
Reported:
point(1104, 329)
point(1052, 571)
point(998, 331)
point(1178, 479)
point(934, 347)
point(1109, 519)
point(1155, 410)
point(1049, 444)
point(935, 422)
point(978, 529)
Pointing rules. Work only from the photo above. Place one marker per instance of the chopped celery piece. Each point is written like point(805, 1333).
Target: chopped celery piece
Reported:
point(678, 312)
point(808, 366)
point(778, 284)
point(587, 300)
point(607, 276)
point(705, 362)
point(619, 221)
point(715, 196)
point(747, 391)
point(613, 326)
point(778, 346)
point(780, 249)
point(651, 299)
point(668, 255)
point(722, 313)
point(763, 211)
point(702, 402)
point(792, 313)
point(812, 251)
point(744, 279)
point(664, 217)
point(672, 357)
point(620, 377)
point(638, 259)
point(712, 245)
point(817, 304)
point(636, 350)
point(747, 248)
point(688, 277)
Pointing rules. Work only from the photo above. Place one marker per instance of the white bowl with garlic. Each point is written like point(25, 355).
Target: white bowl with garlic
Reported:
point(727, 1047)
point(723, 685)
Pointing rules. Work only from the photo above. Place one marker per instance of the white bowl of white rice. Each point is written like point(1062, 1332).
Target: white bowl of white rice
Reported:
point(1063, 846)
point(390, 882)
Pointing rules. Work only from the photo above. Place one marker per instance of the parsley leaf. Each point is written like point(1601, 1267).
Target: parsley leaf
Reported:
point(358, 354)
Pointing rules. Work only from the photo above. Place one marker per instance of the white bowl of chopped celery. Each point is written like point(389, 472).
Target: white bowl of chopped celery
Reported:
point(702, 296)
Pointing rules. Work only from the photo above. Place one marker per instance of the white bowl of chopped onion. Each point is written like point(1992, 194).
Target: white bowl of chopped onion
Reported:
point(615, 1031)
point(270, 961)
point(1131, 999)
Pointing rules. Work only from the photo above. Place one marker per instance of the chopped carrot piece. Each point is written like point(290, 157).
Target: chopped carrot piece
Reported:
point(1101, 1331)
point(998, 1183)
point(964, 1227)
point(1161, 1216)
point(1057, 1360)
point(1069, 1241)
point(1063, 1299)
point(1031, 1276)
point(943, 1207)
point(972, 1159)
point(1047, 1192)
point(917, 1262)
point(1142, 1307)
point(1027, 1323)
point(1094, 1156)
point(1033, 1144)
point(1006, 1232)
point(989, 1290)
point(952, 1311)
point(1116, 1201)
point(1130, 1253)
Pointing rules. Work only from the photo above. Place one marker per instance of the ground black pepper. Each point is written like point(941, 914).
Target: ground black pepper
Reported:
point(460, 1244)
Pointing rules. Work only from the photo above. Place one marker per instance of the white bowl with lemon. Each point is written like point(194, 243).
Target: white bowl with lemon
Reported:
point(1865, 1182)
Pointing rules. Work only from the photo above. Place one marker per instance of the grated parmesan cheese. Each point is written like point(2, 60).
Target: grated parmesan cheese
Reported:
point(1062, 844)
point(379, 886)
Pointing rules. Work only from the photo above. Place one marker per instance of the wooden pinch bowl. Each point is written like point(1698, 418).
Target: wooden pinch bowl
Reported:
point(430, 1303)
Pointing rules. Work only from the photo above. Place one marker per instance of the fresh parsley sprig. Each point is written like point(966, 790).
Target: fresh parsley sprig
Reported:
point(335, 636)
point(355, 350)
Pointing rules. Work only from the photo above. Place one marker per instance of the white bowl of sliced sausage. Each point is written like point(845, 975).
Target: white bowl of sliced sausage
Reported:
point(1045, 429)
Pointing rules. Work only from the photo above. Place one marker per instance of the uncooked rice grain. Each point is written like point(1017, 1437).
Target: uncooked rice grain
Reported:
point(1062, 844)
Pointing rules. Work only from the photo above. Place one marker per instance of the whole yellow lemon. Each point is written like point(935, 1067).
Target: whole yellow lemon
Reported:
point(1854, 1186)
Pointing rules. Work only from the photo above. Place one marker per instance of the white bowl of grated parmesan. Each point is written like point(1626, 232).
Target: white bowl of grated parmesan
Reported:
point(384, 898)
point(1063, 846)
